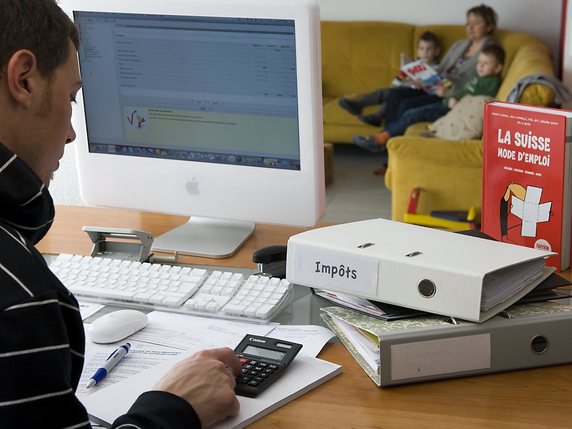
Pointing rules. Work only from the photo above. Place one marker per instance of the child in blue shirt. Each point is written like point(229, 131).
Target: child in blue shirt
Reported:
point(428, 49)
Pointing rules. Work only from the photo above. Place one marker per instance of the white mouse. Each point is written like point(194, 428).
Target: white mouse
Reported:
point(115, 326)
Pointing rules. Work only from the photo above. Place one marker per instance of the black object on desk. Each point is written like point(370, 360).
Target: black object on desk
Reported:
point(271, 260)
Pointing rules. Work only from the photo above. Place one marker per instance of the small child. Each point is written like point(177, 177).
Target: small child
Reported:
point(486, 82)
point(428, 49)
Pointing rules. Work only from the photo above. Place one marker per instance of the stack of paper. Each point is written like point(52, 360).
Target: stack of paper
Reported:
point(169, 337)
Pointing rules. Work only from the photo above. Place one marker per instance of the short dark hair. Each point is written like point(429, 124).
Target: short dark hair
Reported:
point(495, 51)
point(429, 36)
point(39, 26)
point(487, 13)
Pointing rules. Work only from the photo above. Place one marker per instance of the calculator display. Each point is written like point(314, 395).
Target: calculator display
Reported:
point(262, 352)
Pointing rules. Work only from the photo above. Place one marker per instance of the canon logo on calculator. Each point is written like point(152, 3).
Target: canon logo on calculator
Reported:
point(263, 361)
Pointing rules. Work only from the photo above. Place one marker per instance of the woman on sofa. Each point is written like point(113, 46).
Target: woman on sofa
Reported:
point(458, 66)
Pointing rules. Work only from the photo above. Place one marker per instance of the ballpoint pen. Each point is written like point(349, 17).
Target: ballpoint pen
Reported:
point(111, 361)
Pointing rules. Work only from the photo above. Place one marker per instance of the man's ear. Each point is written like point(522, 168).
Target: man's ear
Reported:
point(21, 75)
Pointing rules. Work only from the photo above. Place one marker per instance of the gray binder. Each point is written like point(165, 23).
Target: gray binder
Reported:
point(434, 347)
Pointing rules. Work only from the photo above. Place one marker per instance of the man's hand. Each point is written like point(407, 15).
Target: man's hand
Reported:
point(206, 380)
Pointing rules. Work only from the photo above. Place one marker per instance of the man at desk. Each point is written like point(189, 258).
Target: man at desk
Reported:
point(42, 340)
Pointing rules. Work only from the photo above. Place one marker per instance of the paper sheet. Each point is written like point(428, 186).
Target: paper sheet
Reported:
point(312, 337)
point(86, 309)
point(165, 337)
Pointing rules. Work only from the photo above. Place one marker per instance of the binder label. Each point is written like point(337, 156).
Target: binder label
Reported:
point(438, 357)
point(325, 268)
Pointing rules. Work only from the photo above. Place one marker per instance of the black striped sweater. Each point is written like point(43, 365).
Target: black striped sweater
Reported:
point(42, 340)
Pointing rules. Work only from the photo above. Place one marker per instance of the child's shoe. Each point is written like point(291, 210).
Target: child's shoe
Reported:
point(351, 106)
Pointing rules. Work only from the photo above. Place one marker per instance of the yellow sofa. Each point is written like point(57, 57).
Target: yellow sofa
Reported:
point(361, 56)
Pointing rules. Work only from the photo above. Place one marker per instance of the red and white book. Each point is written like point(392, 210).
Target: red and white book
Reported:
point(527, 178)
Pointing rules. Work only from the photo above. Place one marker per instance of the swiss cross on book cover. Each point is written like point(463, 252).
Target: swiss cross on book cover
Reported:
point(527, 178)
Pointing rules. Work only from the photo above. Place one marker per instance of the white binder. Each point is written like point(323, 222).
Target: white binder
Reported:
point(421, 268)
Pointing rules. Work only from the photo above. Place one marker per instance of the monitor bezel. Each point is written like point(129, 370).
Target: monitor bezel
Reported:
point(291, 197)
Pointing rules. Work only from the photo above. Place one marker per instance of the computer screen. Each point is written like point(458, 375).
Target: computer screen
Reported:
point(207, 109)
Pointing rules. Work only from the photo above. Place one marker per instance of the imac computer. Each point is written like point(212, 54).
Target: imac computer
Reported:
point(210, 109)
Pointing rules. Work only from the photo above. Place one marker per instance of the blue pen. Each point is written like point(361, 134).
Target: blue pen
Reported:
point(111, 361)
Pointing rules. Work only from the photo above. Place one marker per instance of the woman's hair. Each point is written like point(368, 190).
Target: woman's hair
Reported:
point(39, 26)
point(487, 13)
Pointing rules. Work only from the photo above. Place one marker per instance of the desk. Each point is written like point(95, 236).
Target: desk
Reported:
point(536, 398)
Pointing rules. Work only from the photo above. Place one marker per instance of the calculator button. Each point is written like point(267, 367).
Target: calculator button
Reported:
point(243, 379)
point(253, 383)
point(243, 360)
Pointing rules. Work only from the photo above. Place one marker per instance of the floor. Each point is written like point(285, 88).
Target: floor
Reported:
point(356, 193)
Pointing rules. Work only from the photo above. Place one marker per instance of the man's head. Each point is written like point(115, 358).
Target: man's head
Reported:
point(39, 77)
point(490, 61)
point(428, 47)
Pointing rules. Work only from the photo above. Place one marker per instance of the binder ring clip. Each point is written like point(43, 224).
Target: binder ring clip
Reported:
point(427, 288)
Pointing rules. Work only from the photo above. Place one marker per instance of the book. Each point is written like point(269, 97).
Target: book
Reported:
point(423, 75)
point(411, 266)
point(527, 178)
point(433, 347)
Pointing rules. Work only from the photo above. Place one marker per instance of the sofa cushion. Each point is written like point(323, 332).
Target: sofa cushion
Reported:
point(525, 55)
point(360, 56)
point(464, 121)
point(340, 126)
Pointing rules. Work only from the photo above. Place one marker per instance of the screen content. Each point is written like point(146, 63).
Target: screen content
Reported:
point(265, 353)
point(217, 90)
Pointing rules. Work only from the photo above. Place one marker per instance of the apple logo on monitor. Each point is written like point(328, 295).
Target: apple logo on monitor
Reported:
point(193, 187)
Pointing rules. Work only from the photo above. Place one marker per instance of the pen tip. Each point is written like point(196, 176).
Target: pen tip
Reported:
point(90, 383)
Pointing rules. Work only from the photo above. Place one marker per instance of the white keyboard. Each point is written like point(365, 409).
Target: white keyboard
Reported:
point(217, 294)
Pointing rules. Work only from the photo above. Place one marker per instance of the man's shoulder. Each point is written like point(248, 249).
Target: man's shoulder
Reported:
point(23, 272)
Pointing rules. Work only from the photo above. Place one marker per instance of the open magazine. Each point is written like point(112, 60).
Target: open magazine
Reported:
point(423, 75)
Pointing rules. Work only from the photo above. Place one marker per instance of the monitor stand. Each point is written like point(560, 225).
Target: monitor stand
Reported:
point(207, 237)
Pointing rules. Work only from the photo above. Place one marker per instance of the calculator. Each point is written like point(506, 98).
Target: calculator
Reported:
point(263, 361)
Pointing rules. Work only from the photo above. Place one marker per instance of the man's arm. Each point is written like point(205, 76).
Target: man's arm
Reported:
point(197, 392)
point(36, 361)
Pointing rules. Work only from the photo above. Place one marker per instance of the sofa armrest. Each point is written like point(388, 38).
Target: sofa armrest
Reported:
point(448, 172)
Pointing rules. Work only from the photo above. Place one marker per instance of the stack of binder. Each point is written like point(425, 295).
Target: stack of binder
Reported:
point(463, 283)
